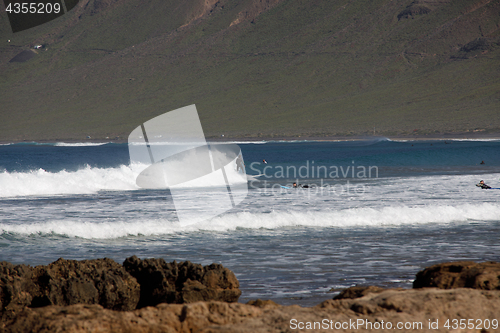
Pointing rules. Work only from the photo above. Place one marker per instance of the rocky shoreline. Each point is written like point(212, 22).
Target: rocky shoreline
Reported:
point(152, 295)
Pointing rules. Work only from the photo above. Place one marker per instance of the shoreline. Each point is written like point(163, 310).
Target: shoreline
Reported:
point(445, 137)
point(133, 299)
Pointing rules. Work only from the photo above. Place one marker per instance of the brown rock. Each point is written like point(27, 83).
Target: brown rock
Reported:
point(365, 306)
point(356, 292)
point(66, 282)
point(462, 274)
point(163, 318)
point(16, 287)
point(263, 303)
point(183, 282)
point(414, 307)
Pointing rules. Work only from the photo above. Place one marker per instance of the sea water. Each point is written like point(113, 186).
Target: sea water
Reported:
point(375, 212)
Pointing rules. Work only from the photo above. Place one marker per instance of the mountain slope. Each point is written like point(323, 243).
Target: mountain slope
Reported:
point(256, 68)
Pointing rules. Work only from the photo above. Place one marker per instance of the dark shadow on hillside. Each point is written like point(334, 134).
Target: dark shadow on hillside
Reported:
point(23, 56)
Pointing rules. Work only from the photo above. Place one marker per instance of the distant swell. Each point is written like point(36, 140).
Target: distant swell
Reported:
point(356, 217)
point(80, 144)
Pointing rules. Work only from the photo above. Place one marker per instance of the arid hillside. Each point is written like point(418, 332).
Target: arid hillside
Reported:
point(255, 68)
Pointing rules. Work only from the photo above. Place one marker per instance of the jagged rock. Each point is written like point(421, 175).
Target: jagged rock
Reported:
point(263, 303)
point(420, 305)
point(365, 305)
point(66, 282)
point(356, 292)
point(163, 318)
point(414, 307)
point(183, 282)
point(16, 287)
point(462, 274)
point(105, 282)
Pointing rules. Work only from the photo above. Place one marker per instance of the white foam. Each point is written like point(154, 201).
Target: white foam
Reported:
point(239, 142)
point(356, 217)
point(85, 181)
point(82, 229)
point(474, 140)
point(80, 144)
point(187, 143)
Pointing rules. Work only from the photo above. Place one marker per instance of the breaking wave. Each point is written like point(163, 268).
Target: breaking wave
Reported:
point(355, 217)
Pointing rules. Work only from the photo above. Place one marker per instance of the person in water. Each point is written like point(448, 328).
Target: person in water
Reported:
point(483, 185)
point(300, 185)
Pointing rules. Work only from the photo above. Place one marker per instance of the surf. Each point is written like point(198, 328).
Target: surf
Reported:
point(84, 181)
point(382, 217)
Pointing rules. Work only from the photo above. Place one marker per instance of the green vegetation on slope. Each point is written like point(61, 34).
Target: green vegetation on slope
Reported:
point(288, 68)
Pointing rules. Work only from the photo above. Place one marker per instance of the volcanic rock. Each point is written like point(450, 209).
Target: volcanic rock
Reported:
point(357, 292)
point(263, 303)
point(16, 287)
point(182, 282)
point(416, 308)
point(66, 282)
point(462, 274)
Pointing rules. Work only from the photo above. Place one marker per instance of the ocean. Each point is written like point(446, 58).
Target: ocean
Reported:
point(374, 212)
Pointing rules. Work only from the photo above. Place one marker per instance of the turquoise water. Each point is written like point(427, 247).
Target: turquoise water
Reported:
point(419, 206)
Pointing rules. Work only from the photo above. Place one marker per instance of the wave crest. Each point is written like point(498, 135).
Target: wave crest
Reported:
point(84, 181)
point(348, 218)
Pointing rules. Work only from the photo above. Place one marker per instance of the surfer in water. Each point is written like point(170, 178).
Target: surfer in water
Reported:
point(483, 185)
point(300, 186)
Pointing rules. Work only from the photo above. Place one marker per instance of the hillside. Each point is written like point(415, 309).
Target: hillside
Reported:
point(256, 68)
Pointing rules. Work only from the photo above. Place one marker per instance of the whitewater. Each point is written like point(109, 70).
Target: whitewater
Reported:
point(81, 201)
